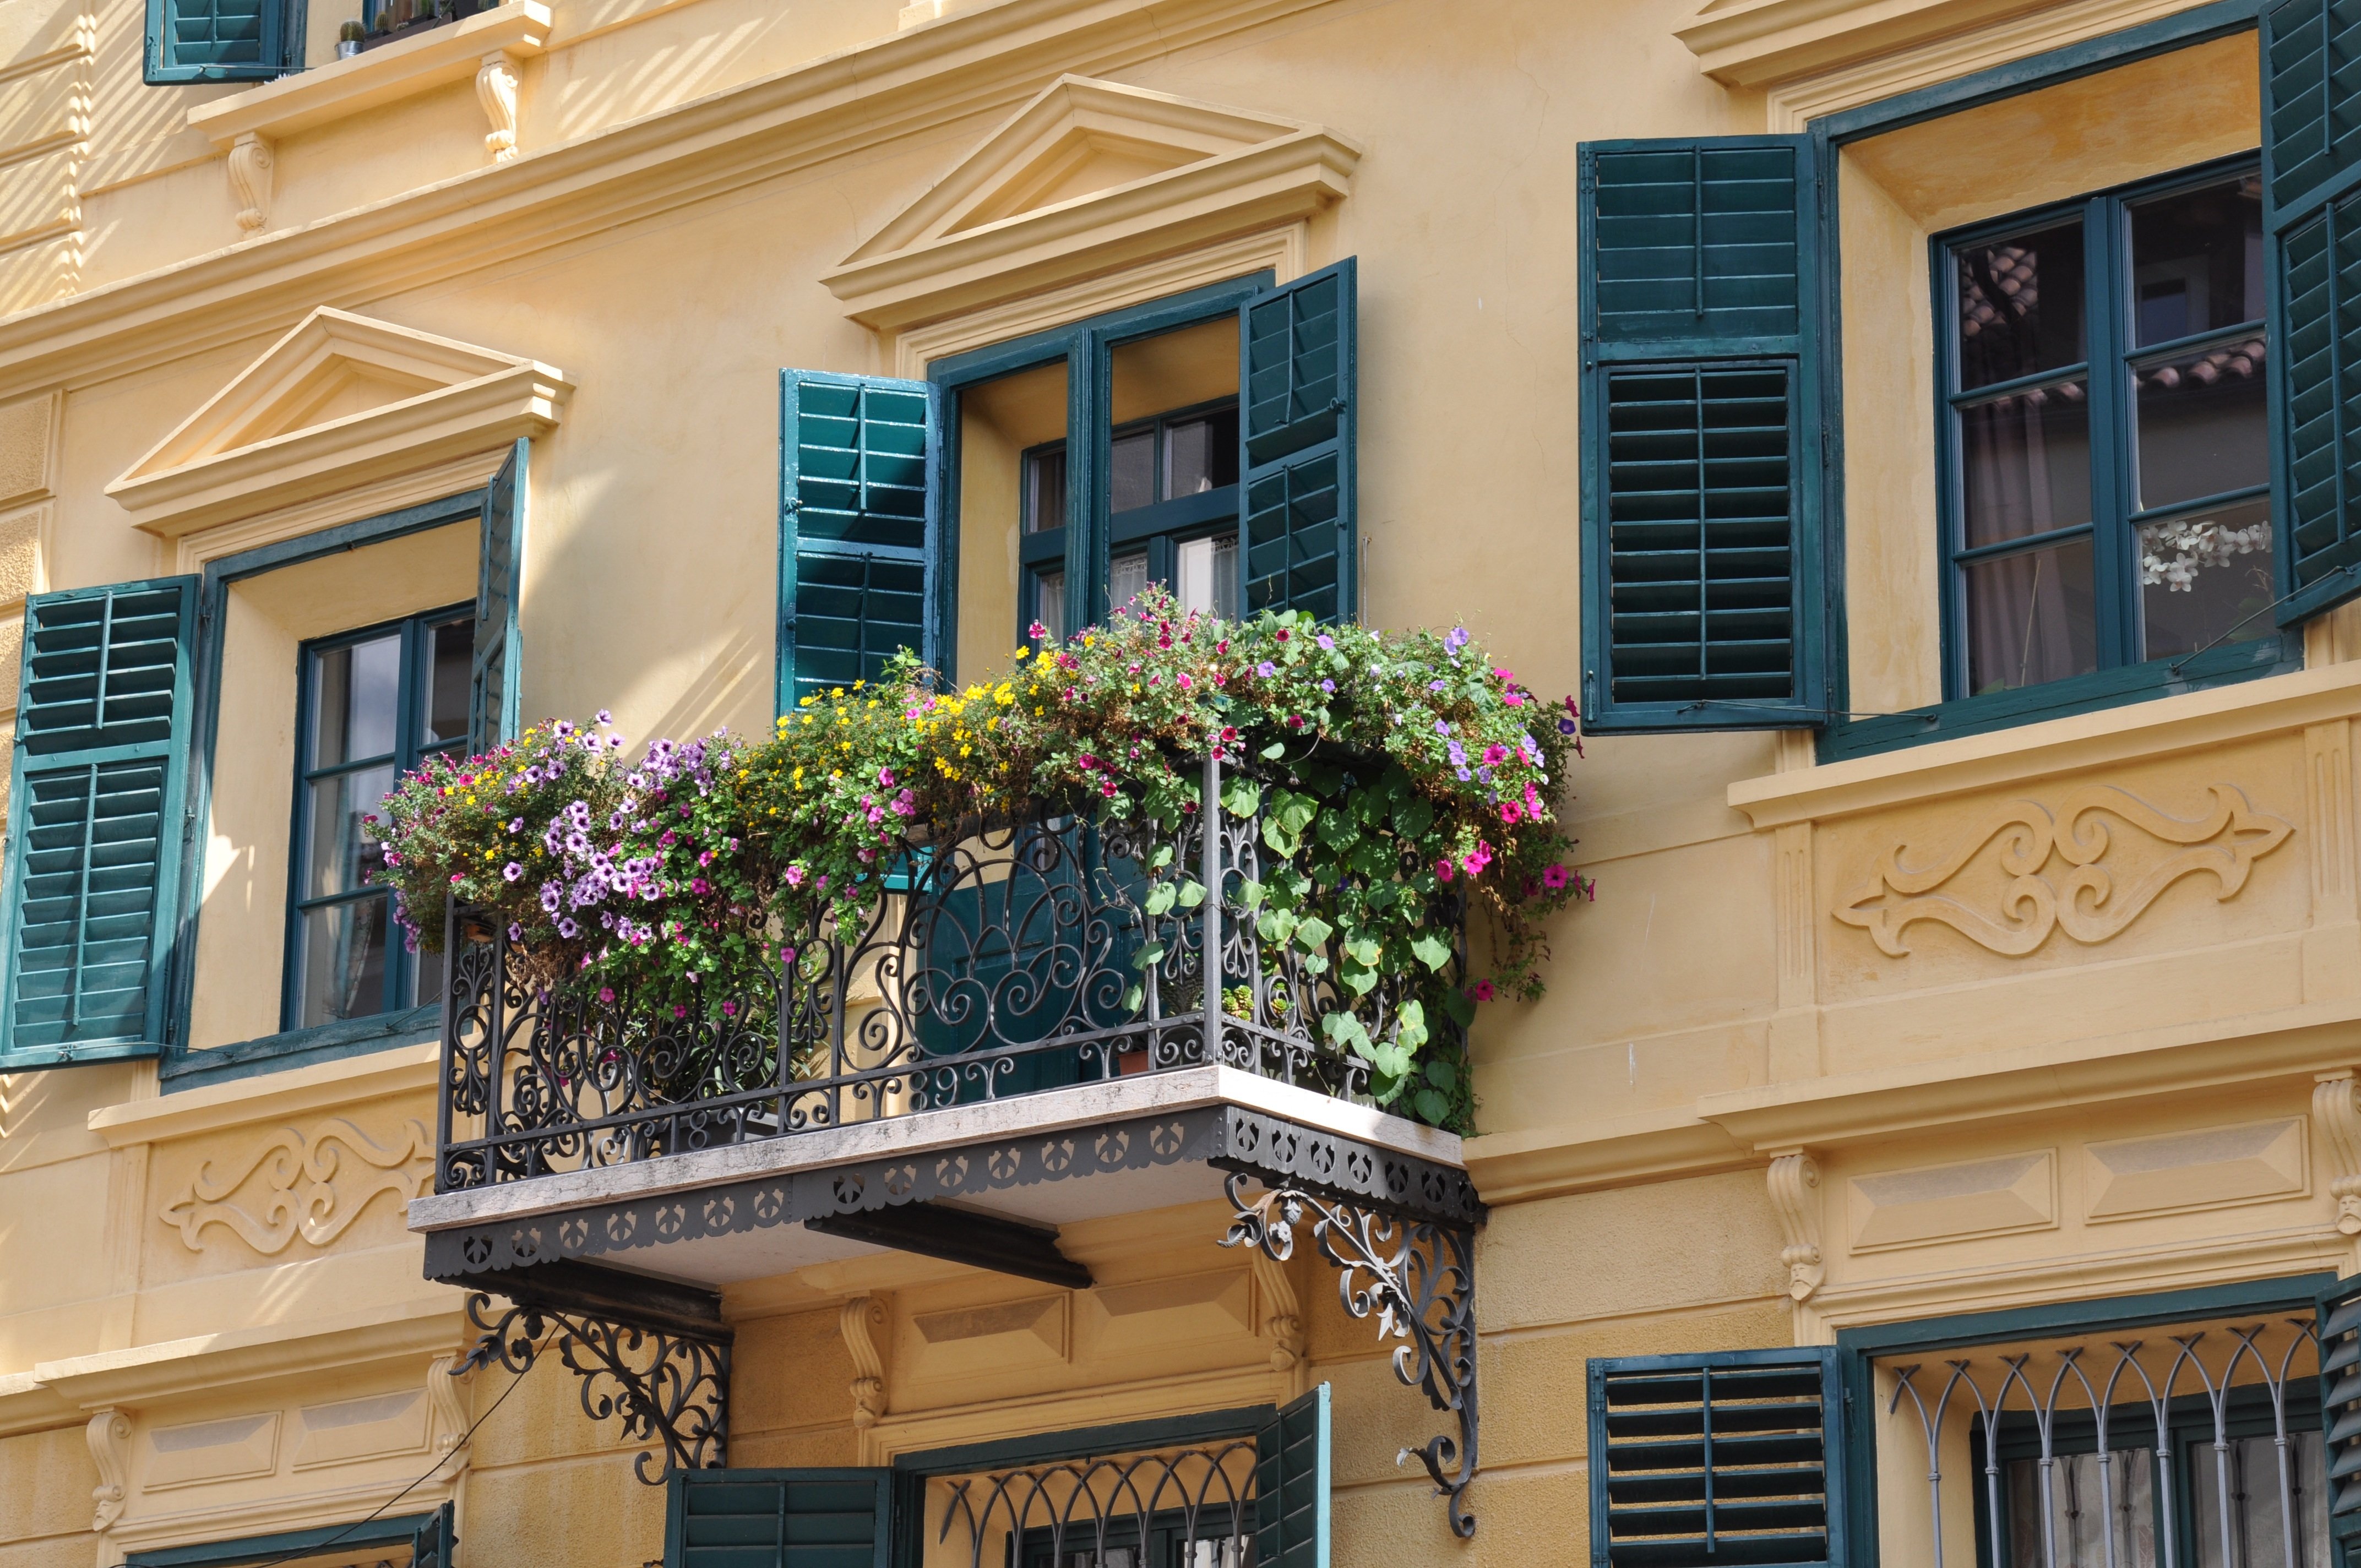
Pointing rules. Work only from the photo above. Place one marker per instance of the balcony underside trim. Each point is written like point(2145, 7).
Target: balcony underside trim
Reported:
point(1228, 1138)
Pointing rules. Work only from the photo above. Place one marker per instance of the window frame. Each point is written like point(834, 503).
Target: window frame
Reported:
point(282, 44)
point(412, 687)
point(2104, 369)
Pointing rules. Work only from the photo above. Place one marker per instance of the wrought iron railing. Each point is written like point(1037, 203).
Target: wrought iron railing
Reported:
point(1003, 960)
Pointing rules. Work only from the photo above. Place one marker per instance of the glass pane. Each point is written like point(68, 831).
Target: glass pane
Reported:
point(2201, 575)
point(2084, 1500)
point(342, 848)
point(2020, 305)
point(1202, 454)
point(2197, 260)
point(1126, 575)
point(2024, 463)
point(2203, 423)
point(1050, 602)
point(344, 961)
point(1131, 474)
point(1045, 489)
point(450, 651)
point(353, 693)
point(2259, 1510)
point(1206, 573)
point(426, 975)
point(2031, 618)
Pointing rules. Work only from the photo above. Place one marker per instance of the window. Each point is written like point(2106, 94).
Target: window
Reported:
point(2108, 446)
point(374, 703)
point(223, 40)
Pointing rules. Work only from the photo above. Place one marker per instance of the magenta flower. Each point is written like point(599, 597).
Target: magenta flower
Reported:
point(1494, 755)
point(1443, 870)
point(1511, 813)
point(1553, 877)
point(1481, 990)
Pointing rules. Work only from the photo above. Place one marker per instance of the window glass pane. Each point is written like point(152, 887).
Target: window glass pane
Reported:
point(354, 691)
point(1131, 472)
point(2031, 618)
point(450, 650)
point(2203, 575)
point(2260, 1511)
point(1045, 489)
point(426, 974)
point(2081, 1506)
point(2203, 423)
point(2024, 463)
point(1126, 575)
point(343, 962)
point(342, 848)
point(1206, 573)
point(2197, 260)
point(1201, 454)
point(2020, 305)
point(1050, 602)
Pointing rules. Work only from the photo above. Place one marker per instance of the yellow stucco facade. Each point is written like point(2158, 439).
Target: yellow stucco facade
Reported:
point(1786, 1082)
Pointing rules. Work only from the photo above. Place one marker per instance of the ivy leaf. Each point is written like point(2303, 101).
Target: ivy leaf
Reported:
point(1344, 1029)
point(1276, 926)
point(1241, 798)
point(1443, 1075)
point(1132, 999)
point(1430, 948)
point(1249, 894)
point(1282, 843)
point(1148, 957)
point(1160, 859)
point(1192, 894)
point(1364, 948)
point(1413, 1033)
point(1274, 751)
point(1312, 934)
point(1160, 898)
point(1432, 1107)
point(1462, 1011)
point(1358, 977)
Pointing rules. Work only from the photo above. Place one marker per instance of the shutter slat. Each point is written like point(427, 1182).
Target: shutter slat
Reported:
point(1291, 1485)
point(495, 673)
point(2338, 1327)
point(782, 1519)
point(1297, 437)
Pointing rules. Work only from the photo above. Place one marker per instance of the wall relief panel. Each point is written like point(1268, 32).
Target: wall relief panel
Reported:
point(291, 1186)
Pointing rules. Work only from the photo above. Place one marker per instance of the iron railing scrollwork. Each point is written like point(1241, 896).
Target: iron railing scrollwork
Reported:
point(1111, 1510)
point(1418, 1279)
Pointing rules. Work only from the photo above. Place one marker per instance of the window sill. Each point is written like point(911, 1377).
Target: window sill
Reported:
point(300, 1047)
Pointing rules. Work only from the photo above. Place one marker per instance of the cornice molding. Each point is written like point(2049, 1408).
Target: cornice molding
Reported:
point(327, 1086)
point(425, 1326)
point(1553, 1162)
point(1745, 43)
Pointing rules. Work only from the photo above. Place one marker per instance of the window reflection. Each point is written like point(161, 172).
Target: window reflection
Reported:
point(2020, 305)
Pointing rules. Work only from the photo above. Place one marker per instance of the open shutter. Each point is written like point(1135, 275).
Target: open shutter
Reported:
point(221, 41)
point(857, 527)
point(2339, 1327)
point(434, 1544)
point(493, 695)
point(1730, 1456)
point(95, 825)
point(1299, 537)
point(2311, 162)
point(1701, 447)
point(1292, 1485)
point(779, 1519)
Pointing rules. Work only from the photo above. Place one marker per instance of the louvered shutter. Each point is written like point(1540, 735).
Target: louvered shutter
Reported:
point(2311, 162)
point(2339, 1327)
point(1299, 538)
point(1291, 1481)
point(1701, 443)
point(221, 41)
point(779, 1519)
point(857, 528)
point(1734, 1456)
point(493, 695)
point(95, 822)
point(434, 1544)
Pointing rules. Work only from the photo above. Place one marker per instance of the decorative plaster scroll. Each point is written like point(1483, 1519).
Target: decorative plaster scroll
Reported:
point(2085, 903)
point(301, 1194)
point(1282, 1318)
point(109, 1435)
point(2337, 1113)
point(446, 1379)
point(1795, 1196)
point(250, 162)
point(496, 90)
point(862, 1314)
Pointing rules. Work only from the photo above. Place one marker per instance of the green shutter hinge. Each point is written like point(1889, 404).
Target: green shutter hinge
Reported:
point(792, 505)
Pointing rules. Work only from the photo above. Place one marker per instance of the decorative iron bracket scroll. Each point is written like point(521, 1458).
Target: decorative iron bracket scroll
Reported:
point(1418, 1277)
point(662, 1385)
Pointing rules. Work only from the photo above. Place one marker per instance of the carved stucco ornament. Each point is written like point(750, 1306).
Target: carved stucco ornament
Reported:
point(2337, 1112)
point(2083, 899)
point(1794, 1179)
point(109, 1436)
point(860, 1318)
point(314, 1188)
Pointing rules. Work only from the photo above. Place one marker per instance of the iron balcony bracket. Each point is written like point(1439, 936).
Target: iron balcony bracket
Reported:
point(662, 1384)
point(1418, 1276)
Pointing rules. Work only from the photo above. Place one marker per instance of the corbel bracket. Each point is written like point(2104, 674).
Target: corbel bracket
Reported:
point(1418, 1277)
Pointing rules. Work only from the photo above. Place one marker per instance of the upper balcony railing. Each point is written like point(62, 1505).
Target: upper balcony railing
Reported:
point(1014, 957)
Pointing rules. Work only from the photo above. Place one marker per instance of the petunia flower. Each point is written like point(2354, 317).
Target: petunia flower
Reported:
point(1553, 877)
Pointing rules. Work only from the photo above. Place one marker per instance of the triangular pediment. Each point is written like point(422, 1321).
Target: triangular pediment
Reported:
point(1082, 137)
point(339, 395)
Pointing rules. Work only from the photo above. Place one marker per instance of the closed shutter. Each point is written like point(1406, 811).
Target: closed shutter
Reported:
point(2311, 160)
point(857, 528)
point(221, 41)
point(1728, 1457)
point(1298, 534)
point(2339, 1327)
point(95, 822)
point(779, 1519)
point(493, 695)
point(1292, 1480)
point(434, 1544)
point(1701, 449)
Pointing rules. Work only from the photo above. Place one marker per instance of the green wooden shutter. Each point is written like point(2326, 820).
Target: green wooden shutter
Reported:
point(95, 822)
point(434, 1544)
point(2339, 1327)
point(2311, 162)
point(1299, 537)
point(1291, 1482)
point(494, 692)
point(779, 1519)
point(1730, 1456)
point(222, 41)
point(1701, 447)
point(859, 461)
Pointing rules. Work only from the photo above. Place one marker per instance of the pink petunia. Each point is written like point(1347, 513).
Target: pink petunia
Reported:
point(1443, 869)
point(1555, 877)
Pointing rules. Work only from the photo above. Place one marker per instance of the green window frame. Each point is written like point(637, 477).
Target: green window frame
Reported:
point(222, 41)
point(406, 982)
point(429, 1536)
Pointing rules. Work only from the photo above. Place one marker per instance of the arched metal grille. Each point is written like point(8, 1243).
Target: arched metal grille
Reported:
point(1183, 1508)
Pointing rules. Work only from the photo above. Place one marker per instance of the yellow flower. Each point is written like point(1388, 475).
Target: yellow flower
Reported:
point(837, 692)
point(1090, 641)
point(1024, 652)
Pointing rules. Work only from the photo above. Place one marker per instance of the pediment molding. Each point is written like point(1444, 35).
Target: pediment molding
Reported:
point(342, 400)
point(1089, 176)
